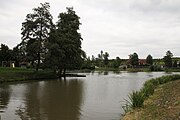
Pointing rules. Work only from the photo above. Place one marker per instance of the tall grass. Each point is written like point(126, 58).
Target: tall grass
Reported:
point(136, 98)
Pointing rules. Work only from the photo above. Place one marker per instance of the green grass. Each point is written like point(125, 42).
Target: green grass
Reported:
point(163, 104)
point(21, 74)
point(136, 98)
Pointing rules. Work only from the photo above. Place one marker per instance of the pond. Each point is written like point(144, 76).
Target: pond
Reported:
point(98, 96)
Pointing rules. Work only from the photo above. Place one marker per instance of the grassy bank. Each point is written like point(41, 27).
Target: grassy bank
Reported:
point(163, 105)
point(20, 74)
point(138, 106)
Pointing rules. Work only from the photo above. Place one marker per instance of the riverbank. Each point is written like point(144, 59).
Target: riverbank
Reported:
point(141, 69)
point(23, 74)
point(20, 74)
point(163, 104)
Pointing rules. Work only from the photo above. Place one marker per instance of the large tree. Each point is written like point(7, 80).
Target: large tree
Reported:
point(134, 60)
point(35, 32)
point(64, 44)
point(149, 60)
point(168, 59)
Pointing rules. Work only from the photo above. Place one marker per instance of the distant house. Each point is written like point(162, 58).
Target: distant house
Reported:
point(142, 61)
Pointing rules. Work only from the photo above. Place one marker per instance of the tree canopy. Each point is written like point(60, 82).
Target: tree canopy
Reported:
point(64, 43)
point(168, 59)
point(134, 60)
point(149, 60)
point(5, 53)
point(35, 32)
point(106, 60)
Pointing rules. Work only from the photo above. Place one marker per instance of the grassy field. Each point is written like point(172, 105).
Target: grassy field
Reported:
point(164, 104)
point(21, 74)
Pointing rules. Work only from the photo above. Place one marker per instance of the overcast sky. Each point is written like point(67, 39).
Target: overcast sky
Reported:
point(120, 27)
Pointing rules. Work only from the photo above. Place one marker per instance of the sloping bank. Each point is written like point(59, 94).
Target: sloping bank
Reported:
point(155, 101)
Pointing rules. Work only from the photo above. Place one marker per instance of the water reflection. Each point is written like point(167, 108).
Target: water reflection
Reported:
point(5, 93)
point(99, 96)
point(103, 72)
point(52, 100)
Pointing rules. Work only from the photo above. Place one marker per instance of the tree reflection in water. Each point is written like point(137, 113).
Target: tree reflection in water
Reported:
point(52, 100)
point(5, 93)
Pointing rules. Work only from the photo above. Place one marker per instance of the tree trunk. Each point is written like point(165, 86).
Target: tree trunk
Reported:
point(64, 72)
point(60, 73)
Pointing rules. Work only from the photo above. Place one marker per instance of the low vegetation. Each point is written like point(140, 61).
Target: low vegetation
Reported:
point(164, 104)
point(19, 74)
point(137, 98)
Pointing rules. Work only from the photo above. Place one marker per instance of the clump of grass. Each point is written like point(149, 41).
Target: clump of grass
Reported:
point(148, 89)
point(136, 98)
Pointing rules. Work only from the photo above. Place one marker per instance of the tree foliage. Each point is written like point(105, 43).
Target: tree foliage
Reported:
point(134, 60)
point(149, 60)
point(5, 53)
point(105, 58)
point(35, 32)
point(64, 43)
point(116, 63)
point(168, 59)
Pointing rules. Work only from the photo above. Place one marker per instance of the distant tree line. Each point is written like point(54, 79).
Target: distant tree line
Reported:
point(102, 60)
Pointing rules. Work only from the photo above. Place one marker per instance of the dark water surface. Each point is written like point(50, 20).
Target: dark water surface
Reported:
point(99, 96)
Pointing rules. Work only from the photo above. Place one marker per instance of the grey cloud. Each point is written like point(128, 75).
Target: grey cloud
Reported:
point(119, 27)
point(169, 6)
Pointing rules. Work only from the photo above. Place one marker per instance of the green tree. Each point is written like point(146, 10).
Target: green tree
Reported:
point(99, 59)
point(149, 60)
point(134, 60)
point(116, 63)
point(168, 59)
point(5, 53)
point(55, 55)
point(64, 44)
point(35, 32)
point(106, 60)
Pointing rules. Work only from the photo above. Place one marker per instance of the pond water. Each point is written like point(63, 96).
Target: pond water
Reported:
point(98, 96)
